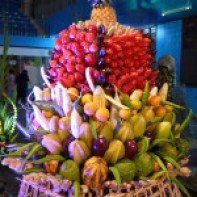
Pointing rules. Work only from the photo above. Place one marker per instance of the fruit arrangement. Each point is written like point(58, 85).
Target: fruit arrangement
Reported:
point(101, 137)
point(100, 116)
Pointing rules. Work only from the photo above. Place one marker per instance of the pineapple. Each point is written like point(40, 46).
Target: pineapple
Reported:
point(103, 13)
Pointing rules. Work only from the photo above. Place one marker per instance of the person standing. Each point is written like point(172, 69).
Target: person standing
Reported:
point(11, 84)
point(22, 86)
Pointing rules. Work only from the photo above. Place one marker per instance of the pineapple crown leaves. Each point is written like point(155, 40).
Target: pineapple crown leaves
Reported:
point(97, 3)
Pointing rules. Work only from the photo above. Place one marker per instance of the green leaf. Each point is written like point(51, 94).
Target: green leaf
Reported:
point(116, 175)
point(13, 138)
point(157, 175)
point(154, 121)
point(34, 150)
point(172, 161)
point(143, 145)
point(32, 170)
point(49, 158)
point(19, 152)
point(172, 105)
point(162, 165)
point(181, 186)
point(93, 126)
point(159, 141)
point(77, 188)
point(126, 101)
point(145, 95)
point(185, 123)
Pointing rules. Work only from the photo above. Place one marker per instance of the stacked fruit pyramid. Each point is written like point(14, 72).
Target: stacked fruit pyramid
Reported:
point(100, 117)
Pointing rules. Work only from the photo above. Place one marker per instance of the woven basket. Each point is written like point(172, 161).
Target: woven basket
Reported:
point(35, 185)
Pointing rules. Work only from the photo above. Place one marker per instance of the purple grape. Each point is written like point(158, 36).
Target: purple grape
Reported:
point(101, 79)
point(102, 52)
point(101, 39)
point(101, 63)
point(66, 144)
point(150, 136)
point(102, 29)
point(131, 148)
point(100, 145)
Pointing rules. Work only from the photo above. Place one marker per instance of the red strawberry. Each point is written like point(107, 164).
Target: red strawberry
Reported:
point(72, 60)
point(72, 34)
point(62, 60)
point(128, 44)
point(72, 28)
point(116, 71)
point(90, 59)
point(120, 63)
point(69, 46)
point(53, 72)
point(92, 29)
point(58, 44)
point(60, 71)
point(136, 63)
point(85, 46)
point(63, 32)
point(65, 39)
point(131, 63)
point(71, 78)
point(80, 68)
point(111, 79)
point(80, 60)
point(53, 63)
point(127, 62)
point(147, 40)
point(82, 36)
point(90, 37)
point(56, 56)
point(93, 48)
point(117, 47)
point(138, 39)
point(109, 51)
point(133, 75)
point(79, 53)
point(114, 64)
point(120, 54)
point(70, 68)
point(67, 54)
point(66, 82)
point(107, 60)
point(85, 89)
point(79, 77)
point(96, 74)
point(75, 46)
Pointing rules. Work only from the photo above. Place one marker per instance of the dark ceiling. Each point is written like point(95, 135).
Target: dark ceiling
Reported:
point(33, 17)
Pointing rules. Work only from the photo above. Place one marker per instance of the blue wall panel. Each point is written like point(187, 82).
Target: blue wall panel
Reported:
point(33, 42)
point(168, 42)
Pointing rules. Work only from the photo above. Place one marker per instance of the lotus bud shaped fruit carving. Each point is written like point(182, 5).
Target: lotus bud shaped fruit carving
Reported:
point(52, 143)
point(79, 151)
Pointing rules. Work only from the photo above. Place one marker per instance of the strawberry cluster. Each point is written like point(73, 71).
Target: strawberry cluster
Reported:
point(74, 50)
point(129, 57)
point(121, 60)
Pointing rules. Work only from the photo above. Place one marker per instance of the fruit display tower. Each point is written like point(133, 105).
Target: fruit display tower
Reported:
point(100, 126)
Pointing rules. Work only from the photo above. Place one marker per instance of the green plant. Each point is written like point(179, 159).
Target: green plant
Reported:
point(3, 60)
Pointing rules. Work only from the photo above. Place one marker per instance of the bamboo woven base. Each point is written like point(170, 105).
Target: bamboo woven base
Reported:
point(37, 185)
